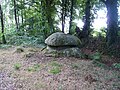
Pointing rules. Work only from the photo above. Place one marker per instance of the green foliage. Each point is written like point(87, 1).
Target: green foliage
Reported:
point(99, 64)
point(25, 40)
point(99, 33)
point(55, 70)
point(114, 50)
point(33, 68)
point(36, 66)
point(96, 34)
point(30, 69)
point(85, 56)
point(56, 67)
point(72, 31)
point(96, 56)
point(55, 64)
point(116, 65)
point(119, 33)
point(1, 34)
point(4, 46)
point(17, 66)
point(39, 18)
point(103, 32)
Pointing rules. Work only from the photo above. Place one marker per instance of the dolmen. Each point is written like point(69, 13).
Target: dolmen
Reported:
point(61, 44)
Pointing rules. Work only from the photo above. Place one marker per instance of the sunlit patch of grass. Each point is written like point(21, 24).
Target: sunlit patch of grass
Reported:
point(17, 66)
point(55, 63)
point(33, 68)
point(56, 67)
point(55, 70)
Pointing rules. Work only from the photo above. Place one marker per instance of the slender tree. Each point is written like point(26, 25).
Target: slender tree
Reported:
point(2, 24)
point(86, 26)
point(49, 6)
point(15, 14)
point(71, 13)
point(63, 15)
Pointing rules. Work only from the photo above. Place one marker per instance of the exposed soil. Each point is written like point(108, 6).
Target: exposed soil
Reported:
point(73, 73)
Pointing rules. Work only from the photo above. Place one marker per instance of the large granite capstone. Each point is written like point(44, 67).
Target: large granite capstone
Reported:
point(63, 44)
point(61, 39)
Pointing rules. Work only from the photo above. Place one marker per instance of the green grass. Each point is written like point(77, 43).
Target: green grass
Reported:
point(56, 67)
point(17, 66)
point(33, 68)
point(55, 63)
point(96, 56)
point(55, 70)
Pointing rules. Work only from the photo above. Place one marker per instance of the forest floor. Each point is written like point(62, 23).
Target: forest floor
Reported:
point(31, 69)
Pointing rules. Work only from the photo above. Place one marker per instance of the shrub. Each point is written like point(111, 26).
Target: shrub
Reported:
point(96, 56)
point(116, 65)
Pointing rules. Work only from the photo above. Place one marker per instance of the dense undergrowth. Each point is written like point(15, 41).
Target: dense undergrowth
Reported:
point(99, 44)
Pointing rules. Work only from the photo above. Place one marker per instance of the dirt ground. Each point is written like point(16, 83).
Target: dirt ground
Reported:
point(31, 69)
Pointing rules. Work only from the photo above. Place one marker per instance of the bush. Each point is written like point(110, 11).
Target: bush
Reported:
point(116, 65)
point(96, 56)
point(25, 40)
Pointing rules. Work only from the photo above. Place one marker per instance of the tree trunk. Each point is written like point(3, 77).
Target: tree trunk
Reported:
point(22, 17)
point(50, 23)
point(112, 21)
point(63, 15)
point(49, 15)
point(15, 13)
point(18, 18)
point(71, 13)
point(86, 26)
point(43, 18)
point(2, 24)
